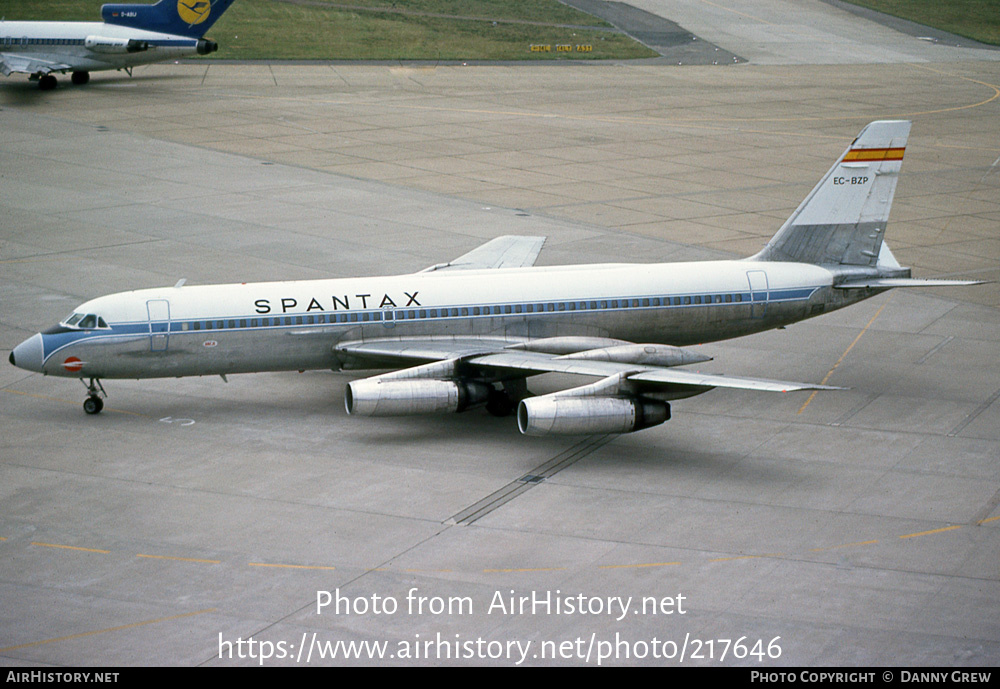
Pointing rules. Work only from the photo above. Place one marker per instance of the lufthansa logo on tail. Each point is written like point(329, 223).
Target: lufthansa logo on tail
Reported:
point(193, 11)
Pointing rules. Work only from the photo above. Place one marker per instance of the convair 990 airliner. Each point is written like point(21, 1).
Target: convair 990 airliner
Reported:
point(470, 332)
point(130, 35)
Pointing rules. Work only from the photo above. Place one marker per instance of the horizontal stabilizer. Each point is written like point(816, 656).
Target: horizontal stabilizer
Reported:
point(882, 283)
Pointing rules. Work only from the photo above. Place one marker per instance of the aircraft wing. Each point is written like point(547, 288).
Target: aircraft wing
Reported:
point(10, 63)
point(496, 356)
point(413, 351)
point(649, 378)
point(509, 251)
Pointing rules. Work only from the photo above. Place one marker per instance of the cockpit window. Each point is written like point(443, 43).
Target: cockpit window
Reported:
point(81, 321)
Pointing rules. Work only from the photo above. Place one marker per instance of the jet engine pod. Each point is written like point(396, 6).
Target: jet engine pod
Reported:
point(102, 44)
point(206, 46)
point(554, 415)
point(372, 397)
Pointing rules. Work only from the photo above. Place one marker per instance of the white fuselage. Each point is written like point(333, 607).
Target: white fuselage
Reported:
point(66, 43)
point(272, 326)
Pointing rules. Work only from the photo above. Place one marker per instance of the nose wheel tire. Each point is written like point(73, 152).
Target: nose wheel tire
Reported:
point(95, 393)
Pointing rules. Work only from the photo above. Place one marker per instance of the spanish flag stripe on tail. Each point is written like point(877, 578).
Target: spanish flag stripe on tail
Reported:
point(874, 154)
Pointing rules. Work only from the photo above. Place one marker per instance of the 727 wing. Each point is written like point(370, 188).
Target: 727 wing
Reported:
point(10, 63)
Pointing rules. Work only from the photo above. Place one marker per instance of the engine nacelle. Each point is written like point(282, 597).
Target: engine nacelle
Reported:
point(372, 397)
point(554, 415)
point(102, 44)
point(206, 46)
point(643, 354)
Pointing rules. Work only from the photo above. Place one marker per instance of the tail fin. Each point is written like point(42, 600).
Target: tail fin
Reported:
point(192, 18)
point(842, 220)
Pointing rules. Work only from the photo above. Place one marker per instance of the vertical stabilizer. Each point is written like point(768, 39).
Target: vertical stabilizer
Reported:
point(842, 220)
point(192, 18)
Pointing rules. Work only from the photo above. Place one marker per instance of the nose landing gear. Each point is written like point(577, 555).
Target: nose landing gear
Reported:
point(95, 391)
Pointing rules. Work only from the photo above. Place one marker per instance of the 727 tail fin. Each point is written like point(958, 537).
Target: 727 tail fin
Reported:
point(842, 220)
point(192, 18)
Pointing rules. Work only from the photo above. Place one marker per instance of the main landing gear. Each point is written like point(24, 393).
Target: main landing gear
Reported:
point(503, 402)
point(95, 391)
point(47, 82)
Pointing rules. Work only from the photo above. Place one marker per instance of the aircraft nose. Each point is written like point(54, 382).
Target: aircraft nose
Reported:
point(28, 354)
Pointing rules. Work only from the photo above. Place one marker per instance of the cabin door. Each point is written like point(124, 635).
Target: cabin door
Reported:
point(159, 324)
point(758, 293)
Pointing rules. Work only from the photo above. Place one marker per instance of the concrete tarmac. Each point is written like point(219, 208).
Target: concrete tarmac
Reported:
point(857, 527)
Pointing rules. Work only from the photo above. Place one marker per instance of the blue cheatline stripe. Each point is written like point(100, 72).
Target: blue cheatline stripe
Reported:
point(55, 342)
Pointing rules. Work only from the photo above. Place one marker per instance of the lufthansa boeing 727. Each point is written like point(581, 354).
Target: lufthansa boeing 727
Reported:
point(471, 331)
point(130, 35)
